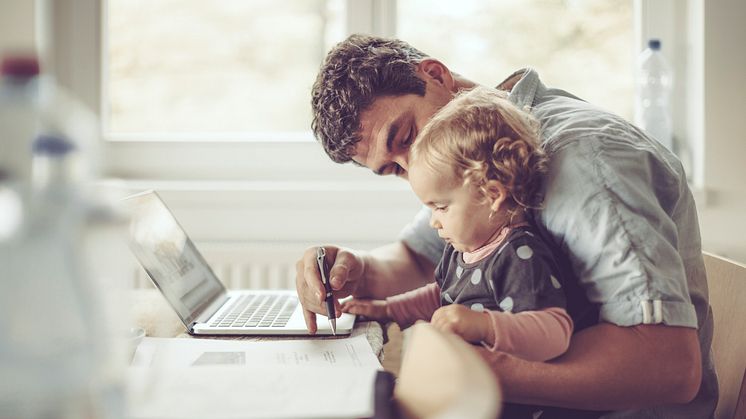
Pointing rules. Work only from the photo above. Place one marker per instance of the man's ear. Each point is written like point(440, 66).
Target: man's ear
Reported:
point(496, 194)
point(435, 71)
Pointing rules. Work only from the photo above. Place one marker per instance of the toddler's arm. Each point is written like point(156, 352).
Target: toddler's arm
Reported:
point(532, 335)
point(404, 309)
point(418, 304)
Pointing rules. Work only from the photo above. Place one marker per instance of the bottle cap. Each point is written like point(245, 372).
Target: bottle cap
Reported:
point(52, 145)
point(654, 44)
point(22, 66)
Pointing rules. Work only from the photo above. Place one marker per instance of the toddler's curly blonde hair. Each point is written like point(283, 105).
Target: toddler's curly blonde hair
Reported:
point(481, 136)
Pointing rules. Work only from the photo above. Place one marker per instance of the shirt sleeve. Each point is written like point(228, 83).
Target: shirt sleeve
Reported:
point(609, 205)
point(531, 335)
point(418, 304)
point(422, 239)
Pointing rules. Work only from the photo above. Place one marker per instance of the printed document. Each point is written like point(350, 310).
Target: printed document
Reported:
point(198, 378)
point(175, 352)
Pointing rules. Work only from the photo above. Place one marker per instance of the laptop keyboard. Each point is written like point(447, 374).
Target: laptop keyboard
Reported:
point(257, 310)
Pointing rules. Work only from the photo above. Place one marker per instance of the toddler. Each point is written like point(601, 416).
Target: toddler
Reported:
point(478, 166)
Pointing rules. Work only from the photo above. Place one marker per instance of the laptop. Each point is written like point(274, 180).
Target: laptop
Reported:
point(197, 296)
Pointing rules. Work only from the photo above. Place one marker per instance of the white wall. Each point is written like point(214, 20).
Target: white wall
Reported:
point(16, 25)
point(723, 217)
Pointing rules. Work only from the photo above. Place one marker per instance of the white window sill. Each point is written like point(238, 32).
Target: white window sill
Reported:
point(284, 211)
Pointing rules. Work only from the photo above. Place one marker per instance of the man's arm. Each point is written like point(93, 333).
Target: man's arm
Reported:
point(608, 367)
point(393, 269)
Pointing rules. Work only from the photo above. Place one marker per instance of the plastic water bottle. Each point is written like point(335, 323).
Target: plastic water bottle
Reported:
point(654, 83)
point(59, 355)
point(19, 110)
point(19, 114)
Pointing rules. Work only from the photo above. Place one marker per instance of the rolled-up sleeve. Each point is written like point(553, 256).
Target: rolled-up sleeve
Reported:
point(608, 204)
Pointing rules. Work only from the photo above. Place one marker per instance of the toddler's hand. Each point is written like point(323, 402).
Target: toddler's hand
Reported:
point(372, 309)
point(472, 326)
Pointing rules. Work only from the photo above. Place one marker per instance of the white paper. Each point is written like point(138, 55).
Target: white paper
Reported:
point(258, 392)
point(174, 352)
point(206, 378)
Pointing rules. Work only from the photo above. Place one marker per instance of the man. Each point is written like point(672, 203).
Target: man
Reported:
point(616, 204)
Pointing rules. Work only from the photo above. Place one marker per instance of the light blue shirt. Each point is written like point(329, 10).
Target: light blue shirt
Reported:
point(617, 203)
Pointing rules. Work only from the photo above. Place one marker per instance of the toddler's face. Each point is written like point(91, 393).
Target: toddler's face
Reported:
point(459, 212)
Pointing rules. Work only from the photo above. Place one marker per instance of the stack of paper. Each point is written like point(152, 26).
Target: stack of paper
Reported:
point(205, 378)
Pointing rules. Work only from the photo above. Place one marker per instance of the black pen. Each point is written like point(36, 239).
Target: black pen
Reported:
point(321, 259)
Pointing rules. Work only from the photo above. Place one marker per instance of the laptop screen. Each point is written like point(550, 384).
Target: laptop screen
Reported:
point(170, 258)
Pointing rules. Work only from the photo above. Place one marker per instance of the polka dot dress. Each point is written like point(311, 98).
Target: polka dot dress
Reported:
point(519, 275)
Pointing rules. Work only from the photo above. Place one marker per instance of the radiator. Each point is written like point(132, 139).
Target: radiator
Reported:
point(244, 265)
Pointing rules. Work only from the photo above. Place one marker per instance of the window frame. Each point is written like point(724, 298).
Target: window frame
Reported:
point(71, 40)
point(680, 27)
point(77, 43)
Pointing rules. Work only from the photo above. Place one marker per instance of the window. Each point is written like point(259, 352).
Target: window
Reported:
point(170, 80)
point(184, 84)
point(220, 69)
point(583, 46)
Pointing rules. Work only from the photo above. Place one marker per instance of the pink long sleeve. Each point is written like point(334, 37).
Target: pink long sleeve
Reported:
point(532, 335)
point(418, 304)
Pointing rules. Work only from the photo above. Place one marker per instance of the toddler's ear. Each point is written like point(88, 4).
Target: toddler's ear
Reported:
point(496, 194)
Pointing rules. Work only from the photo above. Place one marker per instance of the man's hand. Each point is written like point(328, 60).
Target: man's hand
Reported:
point(472, 326)
point(345, 275)
point(372, 309)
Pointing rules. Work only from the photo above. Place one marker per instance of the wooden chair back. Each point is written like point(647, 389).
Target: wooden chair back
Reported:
point(727, 284)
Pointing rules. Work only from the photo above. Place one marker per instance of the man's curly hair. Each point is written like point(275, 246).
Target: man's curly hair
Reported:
point(481, 136)
point(356, 72)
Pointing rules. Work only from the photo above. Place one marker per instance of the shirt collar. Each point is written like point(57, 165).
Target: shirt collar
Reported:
point(524, 85)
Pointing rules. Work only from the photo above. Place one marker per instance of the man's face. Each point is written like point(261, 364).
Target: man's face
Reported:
point(390, 125)
point(460, 212)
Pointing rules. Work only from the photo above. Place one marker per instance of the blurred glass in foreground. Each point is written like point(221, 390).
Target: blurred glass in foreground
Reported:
point(62, 257)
